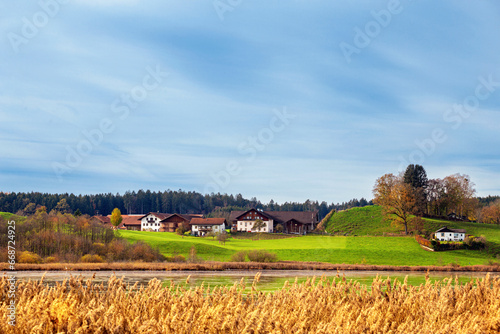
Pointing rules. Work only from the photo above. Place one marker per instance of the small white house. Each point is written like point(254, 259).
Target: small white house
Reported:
point(202, 226)
point(449, 234)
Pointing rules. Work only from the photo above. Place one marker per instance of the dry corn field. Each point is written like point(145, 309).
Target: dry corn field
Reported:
point(316, 306)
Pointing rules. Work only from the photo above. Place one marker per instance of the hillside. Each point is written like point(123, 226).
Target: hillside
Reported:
point(367, 220)
point(8, 215)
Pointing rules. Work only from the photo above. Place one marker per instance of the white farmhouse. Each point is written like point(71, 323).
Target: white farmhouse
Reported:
point(450, 234)
point(201, 226)
point(293, 222)
point(151, 221)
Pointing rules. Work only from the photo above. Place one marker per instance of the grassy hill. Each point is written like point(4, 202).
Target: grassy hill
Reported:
point(367, 220)
point(8, 216)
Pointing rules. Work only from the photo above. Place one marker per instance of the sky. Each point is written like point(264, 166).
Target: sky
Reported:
point(282, 100)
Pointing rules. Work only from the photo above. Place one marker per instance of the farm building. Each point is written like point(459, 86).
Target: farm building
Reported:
point(165, 222)
point(202, 226)
point(129, 222)
point(449, 234)
point(293, 222)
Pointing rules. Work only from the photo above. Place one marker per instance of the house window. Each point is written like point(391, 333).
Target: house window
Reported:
point(442, 234)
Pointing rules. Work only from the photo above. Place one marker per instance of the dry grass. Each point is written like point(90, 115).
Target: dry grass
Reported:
point(316, 306)
point(218, 266)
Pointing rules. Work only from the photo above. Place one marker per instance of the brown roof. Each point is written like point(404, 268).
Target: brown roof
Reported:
point(208, 221)
point(164, 216)
point(305, 217)
point(235, 214)
point(103, 219)
point(131, 220)
point(157, 214)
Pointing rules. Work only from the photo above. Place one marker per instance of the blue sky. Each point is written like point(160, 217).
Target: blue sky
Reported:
point(279, 100)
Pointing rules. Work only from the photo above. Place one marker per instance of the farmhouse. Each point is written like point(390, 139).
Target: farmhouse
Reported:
point(165, 222)
point(449, 234)
point(293, 222)
point(202, 226)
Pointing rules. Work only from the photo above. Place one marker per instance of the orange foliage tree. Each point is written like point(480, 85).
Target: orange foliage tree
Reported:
point(396, 198)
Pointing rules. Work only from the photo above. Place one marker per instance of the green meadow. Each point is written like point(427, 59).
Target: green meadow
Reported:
point(332, 249)
point(358, 239)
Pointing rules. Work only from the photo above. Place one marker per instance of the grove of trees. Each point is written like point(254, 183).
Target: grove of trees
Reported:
point(413, 194)
point(62, 237)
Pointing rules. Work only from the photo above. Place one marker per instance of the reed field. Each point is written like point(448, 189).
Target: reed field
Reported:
point(315, 306)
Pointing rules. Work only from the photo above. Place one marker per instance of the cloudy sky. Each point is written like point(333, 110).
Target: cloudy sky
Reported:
point(283, 100)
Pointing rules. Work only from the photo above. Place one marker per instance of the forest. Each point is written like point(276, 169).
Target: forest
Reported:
point(168, 201)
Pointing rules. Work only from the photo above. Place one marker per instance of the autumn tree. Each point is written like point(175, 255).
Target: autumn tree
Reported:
point(116, 217)
point(62, 206)
point(491, 213)
point(222, 237)
point(459, 190)
point(397, 199)
point(258, 225)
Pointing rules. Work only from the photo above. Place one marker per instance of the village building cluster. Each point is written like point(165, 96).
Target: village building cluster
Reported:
point(253, 220)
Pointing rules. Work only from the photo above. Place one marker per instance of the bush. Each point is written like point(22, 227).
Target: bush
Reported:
point(91, 258)
point(261, 256)
point(51, 259)
point(29, 257)
point(176, 258)
point(239, 256)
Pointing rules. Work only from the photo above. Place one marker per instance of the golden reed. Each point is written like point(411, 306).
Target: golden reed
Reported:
point(315, 306)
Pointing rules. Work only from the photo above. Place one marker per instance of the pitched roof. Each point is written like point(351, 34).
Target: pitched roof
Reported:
point(164, 216)
point(305, 217)
point(103, 219)
point(207, 221)
point(157, 214)
point(131, 220)
point(453, 230)
point(235, 214)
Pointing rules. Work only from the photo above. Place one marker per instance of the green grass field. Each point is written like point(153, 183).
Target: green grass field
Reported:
point(335, 249)
point(359, 239)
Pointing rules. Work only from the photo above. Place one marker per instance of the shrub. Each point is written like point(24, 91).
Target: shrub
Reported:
point(99, 248)
point(261, 256)
point(91, 258)
point(29, 257)
point(176, 258)
point(239, 256)
point(50, 259)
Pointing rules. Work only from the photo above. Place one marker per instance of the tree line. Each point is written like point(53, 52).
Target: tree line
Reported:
point(142, 202)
